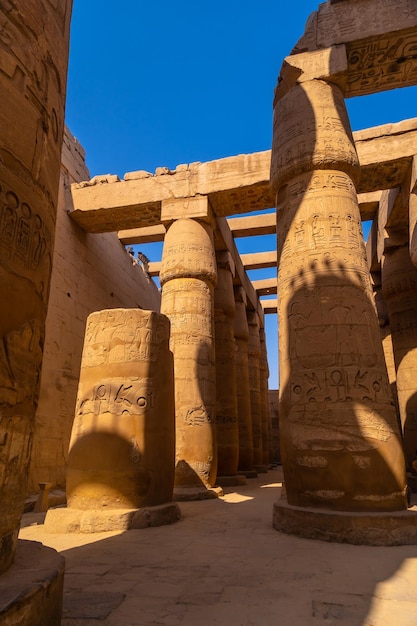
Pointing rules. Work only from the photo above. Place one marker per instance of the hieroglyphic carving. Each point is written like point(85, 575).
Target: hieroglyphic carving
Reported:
point(334, 391)
point(226, 393)
point(188, 276)
point(33, 66)
point(123, 416)
point(376, 64)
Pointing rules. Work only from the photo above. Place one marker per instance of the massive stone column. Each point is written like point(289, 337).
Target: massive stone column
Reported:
point(399, 287)
point(340, 442)
point(33, 66)
point(263, 383)
point(188, 276)
point(254, 355)
point(122, 448)
point(241, 331)
point(226, 392)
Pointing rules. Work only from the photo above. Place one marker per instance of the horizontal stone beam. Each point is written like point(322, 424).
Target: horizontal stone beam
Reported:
point(147, 234)
point(265, 224)
point(385, 154)
point(269, 306)
point(238, 184)
point(259, 260)
point(265, 287)
point(233, 185)
point(154, 268)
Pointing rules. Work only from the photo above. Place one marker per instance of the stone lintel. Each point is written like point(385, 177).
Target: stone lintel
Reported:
point(373, 529)
point(266, 286)
point(146, 234)
point(369, 204)
point(341, 22)
point(265, 224)
point(270, 306)
point(67, 520)
point(233, 185)
point(385, 153)
point(259, 260)
point(379, 39)
point(236, 184)
point(329, 64)
point(154, 268)
point(194, 207)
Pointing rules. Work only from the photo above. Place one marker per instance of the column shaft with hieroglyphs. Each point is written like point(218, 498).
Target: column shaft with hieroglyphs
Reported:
point(399, 285)
point(226, 394)
point(340, 441)
point(266, 417)
point(34, 38)
point(254, 355)
point(122, 445)
point(188, 277)
point(241, 330)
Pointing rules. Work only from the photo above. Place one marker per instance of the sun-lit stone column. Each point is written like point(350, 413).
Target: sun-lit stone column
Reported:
point(33, 68)
point(188, 276)
point(263, 383)
point(340, 441)
point(226, 393)
point(122, 449)
point(254, 355)
point(241, 331)
point(399, 287)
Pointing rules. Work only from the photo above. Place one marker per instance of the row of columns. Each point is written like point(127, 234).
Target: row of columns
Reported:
point(221, 399)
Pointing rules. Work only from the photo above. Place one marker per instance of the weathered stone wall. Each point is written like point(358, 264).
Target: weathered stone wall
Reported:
point(90, 273)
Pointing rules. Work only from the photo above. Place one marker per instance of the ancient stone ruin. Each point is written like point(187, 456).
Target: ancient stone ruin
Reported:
point(103, 428)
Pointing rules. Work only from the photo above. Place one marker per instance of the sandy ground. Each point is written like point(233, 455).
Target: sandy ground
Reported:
point(223, 563)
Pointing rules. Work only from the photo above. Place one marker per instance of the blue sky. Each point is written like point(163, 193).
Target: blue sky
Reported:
point(155, 84)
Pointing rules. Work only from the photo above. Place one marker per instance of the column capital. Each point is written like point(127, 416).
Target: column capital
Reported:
point(193, 207)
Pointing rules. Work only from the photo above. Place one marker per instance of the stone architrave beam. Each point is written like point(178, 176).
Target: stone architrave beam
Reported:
point(379, 37)
point(233, 185)
point(265, 287)
point(238, 184)
point(265, 224)
point(146, 234)
point(259, 260)
point(269, 306)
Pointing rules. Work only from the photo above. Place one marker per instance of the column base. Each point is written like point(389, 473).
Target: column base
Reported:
point(249, 473)
point(31, 590)
point(67, 520)
point(231, 481)
point(261, 469)
point(395, 528)
point(197, 493)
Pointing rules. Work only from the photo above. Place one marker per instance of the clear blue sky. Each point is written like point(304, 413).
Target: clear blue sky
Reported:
point(162, 83)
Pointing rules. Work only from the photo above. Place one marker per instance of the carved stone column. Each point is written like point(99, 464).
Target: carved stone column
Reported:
point(263, 382)
point(254, 355)
point(340, 442)
point(122, 448)
point(188, 277)
point(241, 330)
point(226, 393)
point(399, 288)
point(33, 67)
